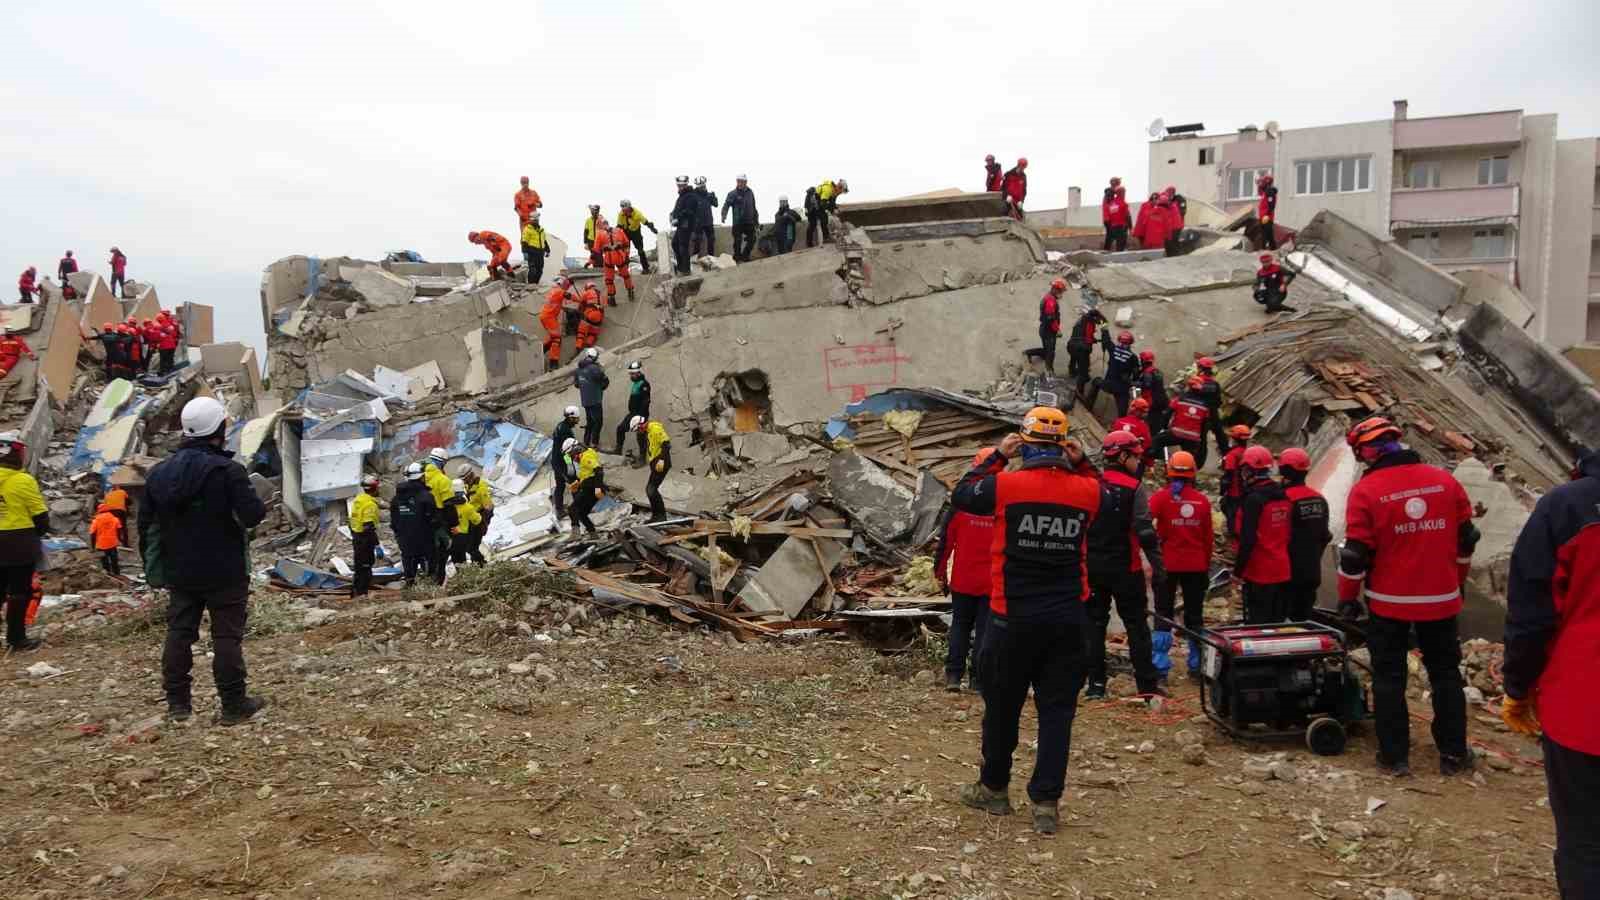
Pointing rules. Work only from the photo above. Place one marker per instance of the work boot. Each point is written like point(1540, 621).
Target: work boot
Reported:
point(1401, 769)
point(952, 683)
point(179, 712)
point(1194, 659)
point(980, 796)
point(1095, 691)
point(630, 295)
point(1456, 765)
point(26, 645)
point(240, 712)
point(1046, 818)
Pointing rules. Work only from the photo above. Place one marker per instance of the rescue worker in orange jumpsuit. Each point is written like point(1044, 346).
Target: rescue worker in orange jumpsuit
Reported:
point(526, 202)
point(499, 249)
point(1408, 547)
point(615, 257)
point(550, 316)
point(12, 349)
point(591, 315)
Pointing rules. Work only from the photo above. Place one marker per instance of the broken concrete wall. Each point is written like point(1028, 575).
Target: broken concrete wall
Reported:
point(1420, 281)
point(1542, 380)
point(499, 357)
point(939, 208)
point(58, 360)
point(101, 305)
point(1484, 287)
point(37, 431)
point(196, 320)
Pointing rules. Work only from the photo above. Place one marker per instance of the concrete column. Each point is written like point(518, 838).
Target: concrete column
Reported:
point(1074, 197)
point(1400, 108)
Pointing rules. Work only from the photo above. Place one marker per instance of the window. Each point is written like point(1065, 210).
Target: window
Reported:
point(1340, 175)
point(1494, 169)
point(1208, 156)
point(1422, 175)
point(1424, 244)
point(1489, 243)
point(1242, 182)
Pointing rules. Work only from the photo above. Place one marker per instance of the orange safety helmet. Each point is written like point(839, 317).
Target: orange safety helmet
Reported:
point(1119, 442)
point(1257, 457)
point(1181, 464)
point(1239, 432)
point(1369, 430)
point(1044, 425)
point(1139, 405)
point(1058, 285)
point(982, 456)
point(1296, 459)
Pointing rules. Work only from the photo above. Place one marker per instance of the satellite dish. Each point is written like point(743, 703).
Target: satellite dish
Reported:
point(1157, 127)
point(1272, 129)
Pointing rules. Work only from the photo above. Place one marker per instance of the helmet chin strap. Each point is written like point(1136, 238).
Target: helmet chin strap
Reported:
point(1034, 451)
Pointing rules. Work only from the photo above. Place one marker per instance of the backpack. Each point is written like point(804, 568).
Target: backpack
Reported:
point(813, 204)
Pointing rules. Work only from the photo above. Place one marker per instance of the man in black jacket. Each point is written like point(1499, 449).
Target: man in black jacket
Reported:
point(638, 405)
point(746, 220)
point(1116, 576)
point(682, 219)
point(785, 226)
point(705, 219)
point(591, 382)
point(566, 428)
point(412, 515)
point(199, 506)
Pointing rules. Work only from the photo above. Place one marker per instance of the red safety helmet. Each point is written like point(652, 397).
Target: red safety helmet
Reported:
point(1022, 162)
point(1119, 442)
point(1205, 363)
point(1370, 430)
point(984, 454)
point(1125, 338)
point(1139, 405)
point(1256, 457)
point(1148, 357)
point(1266, 258)
point(1267, 178)
point(1058, 285)
point(1181, 465)
point(472, 236)
point(1296, 459)
point(1239, 432)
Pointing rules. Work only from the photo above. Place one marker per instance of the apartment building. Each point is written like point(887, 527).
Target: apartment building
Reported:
point(1497, 191)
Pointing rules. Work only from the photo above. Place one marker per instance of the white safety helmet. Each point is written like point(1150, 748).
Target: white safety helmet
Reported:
point(457, 486)
point(438, 455)
point(844, 185)
point(683, 180)
point(626, 203)
point(571, 412)
point(370, 482)
point(568, 445)
point(635, 366)
point(592, 353)
point(10, 443)
point(202, 416)
point(741, 177)
point(783, 199)
point(700, 181)
point(414, 472)
point(636, 423)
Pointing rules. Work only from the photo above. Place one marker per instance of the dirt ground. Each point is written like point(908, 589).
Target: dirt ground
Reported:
point(465, 755)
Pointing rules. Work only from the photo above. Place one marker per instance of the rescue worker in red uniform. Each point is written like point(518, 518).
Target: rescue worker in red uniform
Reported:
point(1267, 212)
point(962, 569)
point(615, 258)
point(28, 284)
point(1121, 529)
point(993, 180)
point(1551, 667)
point(1116, 218)
point(1159, 226)
point(1272, 284)
point(1086, 332)
point(550, 316)
point(1035, 638)
point(1014, 187)
point(166, 335)
point(1206, 369)
point(1137, 425)
point(1187, 421)
point(1143, 215)
point(1050, 323)
point(591, 315)
point(150, 337)
point(1308, 536)
point(1232, 484)
point(1264, 528)
point(1153, 388)
point(499, 251)
point(1408, 546)
point(1182, 516)
point(12, 349)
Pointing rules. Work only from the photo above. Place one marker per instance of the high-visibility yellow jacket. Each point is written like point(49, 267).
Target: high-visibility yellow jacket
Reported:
point(588, 464)
point(363, 513)
point(478, 495)
point(655, 436)
point(632, 219)
point(20, 499)
point(534, 236)
point(588, 232)
point(438, 484)
point(466, 517)
point(825, 191)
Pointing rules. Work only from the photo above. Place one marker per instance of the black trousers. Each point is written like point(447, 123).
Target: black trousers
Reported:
point(637, 237)
point(652, 492)
point(583, 504)
point(783, 238)
point(1047, 342)
point(365, 545)
point(1265, 603)
point(593, 418)
point(475, 549)
point(1116, 237)
point(1170, 248)
point(680, 250)
point(227, 608)
point(1300, 597)
point(439, 556)
point(1126, 591)
point(1572, 779)
point(1219, 432)
point(110, 562)
point(464, 547)
point(119, 285)
point(17, 581)
point(969, 619)
point(622, 434)
point(166, 361)
point(1119, 393)
point(558, 494)
point(412, 563)
point(534, 259)
point(1193, 585)
point(708, 234)
point(1078, 363)
point(744, 242)
point(1440, 643)
point(1047, 657)
point(813, 222)
point(1269, 236)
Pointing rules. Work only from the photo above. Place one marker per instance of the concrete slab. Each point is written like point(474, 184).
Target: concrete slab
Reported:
point(221, 359)
point(19, 316)
point(1504, 515)
point(58, 361)
point(380, 288)
point(760, 447)
point(789, 578)
point(331, 469)
point(871, 496)
point(923, 209)
point(196, 320)
point(102, 305)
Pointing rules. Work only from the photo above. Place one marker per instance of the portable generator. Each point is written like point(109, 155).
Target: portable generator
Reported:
point(1281, 680)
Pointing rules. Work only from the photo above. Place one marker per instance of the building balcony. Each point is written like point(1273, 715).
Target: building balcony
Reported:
point(1503, 267)
point(1496, 204)
point(1474, 130)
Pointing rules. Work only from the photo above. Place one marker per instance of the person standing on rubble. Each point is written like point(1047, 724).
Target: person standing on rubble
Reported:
point(1086, 332)
point(103, 536)
point(1267, 212)
point(1035, 637)
point(1182, 516)
point(821, 202)
point(551, 317)
point(166, 337)
point(559, 469)
point(465, 518)
point(1116, 576)
point(682, 219)
point(1050, 323)
point(24, 519)
point(705, 219)
point(1264, 529)
point(785, 226)
point(1309, 534)
point(638, 407)
point(591, 233)
point(1180, 205)
point(1408, 548)
point(1115, 217)
point(150, 341)
point(1272, 284)
point(1159, 226)
point(364, 535)
point(119, 274)
point(657, 445)
point(412, 516)
point(1552, 629)
point(527, 203)
point(482, 499)
point(28, 284)
point(634, 223)
point(746, 219)
point(1153, 388)
point(1206, 370)
point(535, 247)
point(117, 501)
point(1233, 483)
point(1122, 370)
point(1186, 424)
point(199, 506)
point(433, 475)
point(590, 485)
point(993, 177)
point(618, 260)
point(1014, 188)
point(591, 381)
point(961, 566)
point(499, 252)
point(611, 245)
point(12, 349)
point(67, 266)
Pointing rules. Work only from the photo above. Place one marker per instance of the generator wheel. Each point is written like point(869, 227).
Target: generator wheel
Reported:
point(1325, 737)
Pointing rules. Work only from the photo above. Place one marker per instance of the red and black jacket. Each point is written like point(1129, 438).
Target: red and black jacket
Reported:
point(992, 177)
point(1015, 185)
point(1183, 522)
point(1041, 515)
point(1309, 534)
point(966, 538)
point(1272, 281)
point(1267, 208)
point(1189, 416)
point(1049, 314)
point(1264, 527)
point(1122, 528)
point(1153, 387)
point(1087, 329)
point(1553, 611)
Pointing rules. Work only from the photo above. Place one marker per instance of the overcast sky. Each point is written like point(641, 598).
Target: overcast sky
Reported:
point(208, 139)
